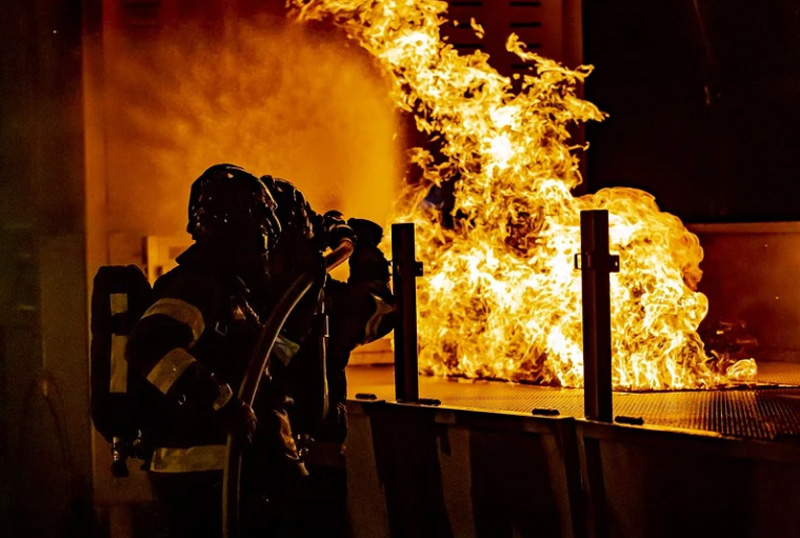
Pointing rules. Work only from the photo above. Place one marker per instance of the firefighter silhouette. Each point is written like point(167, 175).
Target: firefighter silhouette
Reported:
point(188, 352)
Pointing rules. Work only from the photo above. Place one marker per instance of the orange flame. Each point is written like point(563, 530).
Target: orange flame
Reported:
point(501, 298)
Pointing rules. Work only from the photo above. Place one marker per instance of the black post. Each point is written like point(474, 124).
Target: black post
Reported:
point(596, 264)
point(405, 270)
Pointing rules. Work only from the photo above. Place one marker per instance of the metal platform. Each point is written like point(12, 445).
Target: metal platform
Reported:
point(771, 411)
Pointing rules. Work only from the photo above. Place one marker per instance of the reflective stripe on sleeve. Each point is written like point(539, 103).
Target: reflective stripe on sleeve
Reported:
point(188, 460)
point(118, 380)
point(167, 371)
point(373, 324)
point(181, 311)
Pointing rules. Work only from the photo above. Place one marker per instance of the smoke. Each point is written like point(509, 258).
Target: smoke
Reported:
point(273, 97)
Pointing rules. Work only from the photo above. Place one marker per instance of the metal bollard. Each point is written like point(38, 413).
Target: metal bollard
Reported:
point(596, 264)
point(405, 270)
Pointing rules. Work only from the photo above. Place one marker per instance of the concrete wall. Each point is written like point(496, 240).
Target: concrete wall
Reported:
point(45, 462)
point(422, 471)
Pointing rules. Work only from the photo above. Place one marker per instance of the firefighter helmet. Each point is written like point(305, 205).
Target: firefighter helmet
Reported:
point(294, 212)
point(228, 202)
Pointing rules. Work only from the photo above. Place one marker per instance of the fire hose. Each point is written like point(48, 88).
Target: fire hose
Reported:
point(231, 480)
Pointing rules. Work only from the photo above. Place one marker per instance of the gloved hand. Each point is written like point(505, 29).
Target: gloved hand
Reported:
point(367, 262)
point(334, 229)
point(238, 418)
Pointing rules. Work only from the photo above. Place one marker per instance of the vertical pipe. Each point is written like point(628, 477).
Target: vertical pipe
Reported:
point(405, 270)
point(596, 264)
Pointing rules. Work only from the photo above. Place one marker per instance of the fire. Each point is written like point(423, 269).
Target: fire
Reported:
point(501, 298)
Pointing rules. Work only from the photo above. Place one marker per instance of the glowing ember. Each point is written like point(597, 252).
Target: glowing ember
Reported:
point(501, 298)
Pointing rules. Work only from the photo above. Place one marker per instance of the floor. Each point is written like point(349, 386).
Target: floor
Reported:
point(770, 411)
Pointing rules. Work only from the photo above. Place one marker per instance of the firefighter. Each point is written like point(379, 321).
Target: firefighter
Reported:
point(359, 311)
point(193, 344)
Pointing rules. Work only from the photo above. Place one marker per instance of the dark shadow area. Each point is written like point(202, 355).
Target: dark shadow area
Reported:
point(658, 493)
point(407, 456)
point(512, 486)
point(704, 104)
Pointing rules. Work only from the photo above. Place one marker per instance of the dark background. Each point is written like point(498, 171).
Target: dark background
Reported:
point(704, 104)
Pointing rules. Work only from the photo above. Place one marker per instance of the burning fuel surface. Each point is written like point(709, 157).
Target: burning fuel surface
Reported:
point(501, 297)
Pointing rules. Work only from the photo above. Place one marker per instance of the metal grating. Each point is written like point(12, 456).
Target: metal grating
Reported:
point(768, 412)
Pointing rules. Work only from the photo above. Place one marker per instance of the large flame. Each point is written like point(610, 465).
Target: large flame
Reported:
point(501, 298)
